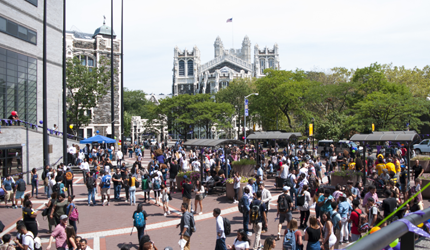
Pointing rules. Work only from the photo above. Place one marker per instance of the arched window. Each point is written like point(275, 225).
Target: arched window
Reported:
point(262, 65)
point(181, 68)
point(271, 63)
point(190, 68)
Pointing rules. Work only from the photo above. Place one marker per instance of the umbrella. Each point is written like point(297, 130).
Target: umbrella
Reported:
point(99, 139)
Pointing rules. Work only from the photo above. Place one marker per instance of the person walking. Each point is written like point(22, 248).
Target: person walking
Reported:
point(72, 212)
point(71, 238)
point(59, 234)
point(91, 184)
point(21, 186)
point(165, 198)
point(146, 187)
point(266, 197)
point(245, 210)
point(241, 242)
point(59, 208)
point(27, 238)
point(293, 236)
point(117, 180)
point(199, 190)
point(29, 216)
point(257, 215)
point(105, 188)
point(34, 182)
point(50, 205)
point(68, 179)
point(186, 196)
point(186, 223)
point(304, 199)
point(313, 234)
point(139, 220)
point(285, 205)
point(220, 235)
point(344, 209)
point(355, 220)
point(85, 167)
point(119, 157)
point(7, 186)
point(132, 183)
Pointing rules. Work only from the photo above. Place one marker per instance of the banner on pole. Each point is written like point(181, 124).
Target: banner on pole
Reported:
point(311, 129)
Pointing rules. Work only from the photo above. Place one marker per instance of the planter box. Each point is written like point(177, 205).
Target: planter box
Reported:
point(426, 192)
point(425, 165)
point(344, 180)
point(244, 170)
point(178, 183)
point(230, 190)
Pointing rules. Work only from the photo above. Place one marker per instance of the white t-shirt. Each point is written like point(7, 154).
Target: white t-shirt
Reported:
point(304, 171)
point(119, 155)
point(237, 184)
point(241, 245)
point(28, 240)
point(107, 168)
point(196, 165)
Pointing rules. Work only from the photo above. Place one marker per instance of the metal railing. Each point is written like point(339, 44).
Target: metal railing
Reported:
point(397, 229)
point(9, 122)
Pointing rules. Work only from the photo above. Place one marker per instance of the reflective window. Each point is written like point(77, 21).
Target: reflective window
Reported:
point(34, 2)
point(271, 63)
point(18, 85)
point(262, 65)
point(190, 67)
point(18, 31)
point(11, 161)
point(181, 68)
point(84, 60)
point(90, 62)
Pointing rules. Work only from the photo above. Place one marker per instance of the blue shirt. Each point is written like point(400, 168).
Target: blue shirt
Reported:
point(327, 206)
point(104, 179)
point(335, 218)
point(7, 184)
point(260, 172)
point(344, 209)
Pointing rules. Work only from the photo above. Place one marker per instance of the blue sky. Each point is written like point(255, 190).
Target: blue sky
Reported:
point(310, 34)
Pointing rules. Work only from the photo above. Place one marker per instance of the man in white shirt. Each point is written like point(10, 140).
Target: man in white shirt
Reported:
point(220, 235)
point(84, 245)
point(26, 236)
point(119, 157)
point(266, 197)
point(72, 152)
point(85, 167)
point(196, 166)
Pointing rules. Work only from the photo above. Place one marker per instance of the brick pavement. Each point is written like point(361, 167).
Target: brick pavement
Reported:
point(109, 227)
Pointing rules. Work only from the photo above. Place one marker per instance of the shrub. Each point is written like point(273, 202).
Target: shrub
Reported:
point(192, 175)
point(244, 179)
point(244, 162)
point(346, 173)
point(421, 158)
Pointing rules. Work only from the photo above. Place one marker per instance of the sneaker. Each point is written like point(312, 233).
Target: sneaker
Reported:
point(126, 200)
point(249, 233)
point(263, 231)
point(279, 237)
point(168, 212)
point(165, 214)
point(200, 213)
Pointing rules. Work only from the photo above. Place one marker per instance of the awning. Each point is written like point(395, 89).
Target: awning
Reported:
point(211, 142)
point(273, 135)
point(393, 136)
point(99, 139)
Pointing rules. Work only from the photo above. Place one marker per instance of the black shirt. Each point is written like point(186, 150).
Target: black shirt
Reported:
point(389, 205)
point(187, 190)
point(314, 234)
point(403, 176)
point(173, 170)
point(289, 200)
point(26, 213)
point(417, 170)
point(118, 177)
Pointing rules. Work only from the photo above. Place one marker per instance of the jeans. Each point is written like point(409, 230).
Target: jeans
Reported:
point(73, 224)
point(245, 221)
point(130, 154)
point(257, 230)
point(84, 173)
point(236, 194)
point(47, 191)
point(293, 191)
point(117, 191)
point(127, 194)
point(220, 244)
point(132, 191)
point(34, 185)
point(118, 163)
point(69, 186)
point(140, 232)
point(92, 196)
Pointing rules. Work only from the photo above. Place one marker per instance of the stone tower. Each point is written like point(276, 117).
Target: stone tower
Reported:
point(219, 47)
point(246, 49)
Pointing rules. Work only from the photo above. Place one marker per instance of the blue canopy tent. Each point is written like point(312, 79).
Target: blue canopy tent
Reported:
point(99, 139)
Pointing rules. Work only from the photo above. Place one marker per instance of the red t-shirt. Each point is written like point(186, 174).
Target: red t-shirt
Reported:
point(355, 221)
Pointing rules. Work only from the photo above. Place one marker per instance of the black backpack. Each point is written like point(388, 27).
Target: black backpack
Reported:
point(288, 181)
point(227, 226)
point(90, 183)
point(240, 204)
point(21, 185)
point(255, 212)
point(283, 204)
point(56, 188)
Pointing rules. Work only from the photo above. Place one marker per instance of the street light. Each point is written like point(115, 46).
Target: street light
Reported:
point(246, 113)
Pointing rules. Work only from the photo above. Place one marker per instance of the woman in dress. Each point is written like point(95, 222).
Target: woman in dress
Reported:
point(241, 242)
point(71, 237)
point(199, 189)
point(165, 199)
point(329, 236)
point(313, 234)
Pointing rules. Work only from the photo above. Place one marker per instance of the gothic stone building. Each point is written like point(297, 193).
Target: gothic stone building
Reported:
point(89, 48)
point(192, 77)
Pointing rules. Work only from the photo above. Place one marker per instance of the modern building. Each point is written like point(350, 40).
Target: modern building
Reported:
point(21, 82)
point(192, 77)
point(89, 48)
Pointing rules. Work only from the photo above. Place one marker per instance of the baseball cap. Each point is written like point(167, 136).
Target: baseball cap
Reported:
point(402, 166)
point(286, 188)
point(185, 177)
point(63, 217)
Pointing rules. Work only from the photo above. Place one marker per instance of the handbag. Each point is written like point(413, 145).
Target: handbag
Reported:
point(74, 216)
point(45, 212)
point(170, 197)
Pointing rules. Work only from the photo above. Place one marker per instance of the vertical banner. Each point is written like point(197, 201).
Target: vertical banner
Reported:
point(246, 107)
point(373, 127)
point(311, 129)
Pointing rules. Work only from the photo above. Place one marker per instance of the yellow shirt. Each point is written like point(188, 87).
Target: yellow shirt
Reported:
point(390, 167)
point(351, 166)
point(398, 168)
point(380, 167)
point(132, 182)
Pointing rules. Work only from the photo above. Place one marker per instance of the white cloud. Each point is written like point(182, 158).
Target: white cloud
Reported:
point(310, 34)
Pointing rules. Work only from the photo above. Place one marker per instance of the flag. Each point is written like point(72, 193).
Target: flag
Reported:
point(230, 20)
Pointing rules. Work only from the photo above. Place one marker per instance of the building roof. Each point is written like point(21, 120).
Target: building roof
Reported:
point(80, 35)
point(211, 142)
point(104, 30)
point(393, 136)
point(273, 135)
point(156, 98)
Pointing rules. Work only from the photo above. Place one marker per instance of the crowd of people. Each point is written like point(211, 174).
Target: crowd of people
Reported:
point(342, 213)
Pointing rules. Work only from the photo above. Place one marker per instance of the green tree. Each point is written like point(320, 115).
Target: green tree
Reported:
point(135, 102)
point(210, 113)
point(86, 86)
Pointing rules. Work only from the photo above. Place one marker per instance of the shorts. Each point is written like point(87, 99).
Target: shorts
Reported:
point(19, 195)
point(404, 188)
point(9, 195)
point(173, 180)
point(105, 191)
point(199, 197)
point(285, 217)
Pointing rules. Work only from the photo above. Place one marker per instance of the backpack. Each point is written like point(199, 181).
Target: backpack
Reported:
point(106, 182)
point(156, 183)
point(74, 215)
point(283, 204)
point(240, 205)
point(227, 226)
point(332, 216)
point(312, 181)
point(139, 220)
point(69, 176)
point(36, 241)
point(255, 212)
point(145, 184)
point(300, 200)
point(288, 181)
point(136, 183)
point(90, 183)
point(56, 188)
point(290, 240)
point(21, 185)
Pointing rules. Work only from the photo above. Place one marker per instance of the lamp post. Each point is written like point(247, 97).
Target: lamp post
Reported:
point(313, 134)
point(112, 94)
point(122, 75)
point(44, 91)
point(64, 88)
point(246, 114)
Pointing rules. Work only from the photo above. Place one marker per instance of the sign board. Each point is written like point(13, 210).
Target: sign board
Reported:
point(246, 107)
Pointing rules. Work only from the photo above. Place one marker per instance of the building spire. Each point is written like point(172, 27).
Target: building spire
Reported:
point(104, 20)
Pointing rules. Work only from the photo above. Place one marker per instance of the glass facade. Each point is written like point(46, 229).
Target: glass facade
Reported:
point(18, 31)
point(18, 85)
point(11, 160)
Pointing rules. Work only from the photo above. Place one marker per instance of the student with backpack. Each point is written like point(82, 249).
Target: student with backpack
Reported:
point(21, 186)
point(68, 180)
point(105, 187)
point(117, 180)
point(220, 230)
point(91, 187)
point(257, 215)
point(139, 220)
point(156, 187)
point(133, 183)
point(304, 203)
point(355, 219)
point(337, 224)
point(284, 213)
point(292, 237)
